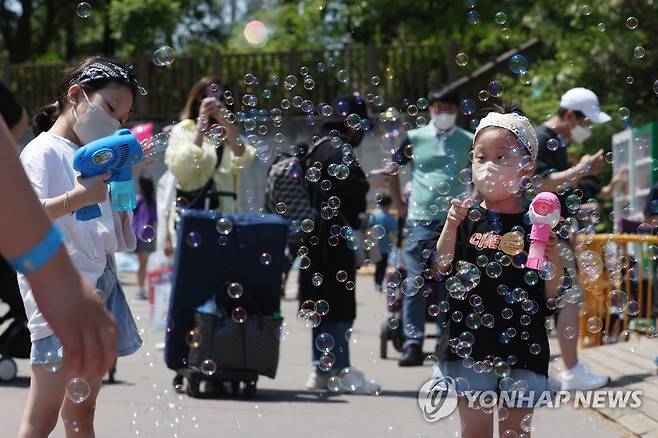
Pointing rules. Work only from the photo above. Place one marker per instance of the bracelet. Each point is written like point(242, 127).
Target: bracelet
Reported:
point(67, 204)
point(40, 254)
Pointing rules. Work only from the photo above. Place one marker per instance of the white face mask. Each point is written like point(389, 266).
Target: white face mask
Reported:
point(495, 182)
point(95, 123)
point(579, 134)
point(444, 121)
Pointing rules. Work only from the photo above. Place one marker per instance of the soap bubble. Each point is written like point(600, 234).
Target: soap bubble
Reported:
point(146, 234)
point(164, 56)
point(239, 315)
point(224, 226)
point(617, 301)
point(78, 390)
point(586, 9)
point(631, 22)
point(601, 27)
point(501, 18)
point(594, 324)
point(256, 33)
point(639, 52)
point(467, 107)
point(324, 342)
point(473, 17)
point(265, 258)
point(495, 88)
point(624, 113)
point(53, 360)
point(322, 306)
point(235, 290)
point(518, 64)
point(193, 239)
point(83, 10)
point(208, 367)
point(461, 59)
point(343, 76)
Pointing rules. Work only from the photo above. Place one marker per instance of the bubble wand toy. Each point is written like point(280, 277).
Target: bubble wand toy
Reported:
point(544, 214)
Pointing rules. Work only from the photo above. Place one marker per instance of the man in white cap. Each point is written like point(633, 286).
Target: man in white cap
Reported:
point(579, 109)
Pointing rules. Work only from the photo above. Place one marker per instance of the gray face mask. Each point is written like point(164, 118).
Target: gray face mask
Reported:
point(95, 123)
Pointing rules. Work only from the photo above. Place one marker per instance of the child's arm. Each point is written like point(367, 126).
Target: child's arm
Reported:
point(87, 191)
point(552, 286)
point(77, 316)
point(445, 246)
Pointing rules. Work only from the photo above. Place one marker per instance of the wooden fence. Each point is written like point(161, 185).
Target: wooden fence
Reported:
point(412, 71)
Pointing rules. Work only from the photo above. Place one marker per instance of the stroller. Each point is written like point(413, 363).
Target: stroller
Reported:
point(15, 340)
point(392, 329)
point(225, 350)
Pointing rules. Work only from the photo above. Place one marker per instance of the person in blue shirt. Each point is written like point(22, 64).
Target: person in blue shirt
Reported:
point(382, 218)
point(437, 152)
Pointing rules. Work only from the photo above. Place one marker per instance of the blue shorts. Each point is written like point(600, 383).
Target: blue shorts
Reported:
point(531, 383)
point(46, 349)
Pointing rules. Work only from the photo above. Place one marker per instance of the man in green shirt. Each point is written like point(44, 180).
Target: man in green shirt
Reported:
point(437, 153)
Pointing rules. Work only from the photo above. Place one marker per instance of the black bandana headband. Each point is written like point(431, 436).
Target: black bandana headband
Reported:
point(99, 70)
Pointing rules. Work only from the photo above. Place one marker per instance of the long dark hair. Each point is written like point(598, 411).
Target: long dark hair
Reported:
point(45, 117)
point(146, 188)
point(199, 91)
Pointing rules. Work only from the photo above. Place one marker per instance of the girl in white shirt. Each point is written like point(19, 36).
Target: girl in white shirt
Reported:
point(94, 99)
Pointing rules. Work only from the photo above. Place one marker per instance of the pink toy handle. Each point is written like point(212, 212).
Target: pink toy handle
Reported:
point(536, 255)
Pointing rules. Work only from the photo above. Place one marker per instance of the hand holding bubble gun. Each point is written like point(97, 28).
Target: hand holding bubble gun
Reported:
point(117, 154)
point(544, 215)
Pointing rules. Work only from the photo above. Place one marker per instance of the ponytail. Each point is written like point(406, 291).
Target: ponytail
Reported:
point(45, 118)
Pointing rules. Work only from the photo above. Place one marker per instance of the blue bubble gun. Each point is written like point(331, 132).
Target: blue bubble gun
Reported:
point(117, 154)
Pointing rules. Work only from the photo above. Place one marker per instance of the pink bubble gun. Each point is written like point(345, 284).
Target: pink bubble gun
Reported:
point(544, 215)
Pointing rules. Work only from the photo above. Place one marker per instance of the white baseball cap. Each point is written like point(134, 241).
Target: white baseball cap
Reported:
point(585, 101)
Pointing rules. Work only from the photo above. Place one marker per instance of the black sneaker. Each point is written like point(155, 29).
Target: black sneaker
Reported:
point(412, 356)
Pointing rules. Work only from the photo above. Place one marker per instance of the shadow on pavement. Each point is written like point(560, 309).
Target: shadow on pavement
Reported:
point(628, 380)
point(18, 382)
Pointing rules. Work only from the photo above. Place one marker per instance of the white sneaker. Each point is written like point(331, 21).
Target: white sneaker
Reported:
point(317, 381)
point(354, 381)
point(580, 378)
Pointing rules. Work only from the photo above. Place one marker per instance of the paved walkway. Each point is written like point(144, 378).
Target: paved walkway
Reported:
point(143, 401)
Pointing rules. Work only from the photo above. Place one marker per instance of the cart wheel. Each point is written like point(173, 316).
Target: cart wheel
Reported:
point(192, 388)
point(8, 369)
point(178, 384)
point(235, 387)
point(250, 389)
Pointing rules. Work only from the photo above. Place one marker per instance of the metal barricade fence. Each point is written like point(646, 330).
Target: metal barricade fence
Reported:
point(617, 275)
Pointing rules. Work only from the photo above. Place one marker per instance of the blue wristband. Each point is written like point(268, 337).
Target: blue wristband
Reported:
point(40, 254)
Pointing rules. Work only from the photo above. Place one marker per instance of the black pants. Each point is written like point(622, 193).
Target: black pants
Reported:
point(380, 269)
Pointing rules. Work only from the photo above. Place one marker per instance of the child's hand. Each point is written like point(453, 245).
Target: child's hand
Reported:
point(458, 211)
point(551, 250)
point(89, 191)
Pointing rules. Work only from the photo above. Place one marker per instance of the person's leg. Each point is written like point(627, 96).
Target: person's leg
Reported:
point(568, 347)
point(413, 305)
point(341, 352)
point(518, 422)
point(44, 401)
point(143, 257)
point(474, 422)
point(79, 418)
point(380, 270)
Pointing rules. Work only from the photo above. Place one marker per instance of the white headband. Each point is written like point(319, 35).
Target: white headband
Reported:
point(518, 125)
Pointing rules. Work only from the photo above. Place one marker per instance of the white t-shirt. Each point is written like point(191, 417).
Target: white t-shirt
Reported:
point(48, 162)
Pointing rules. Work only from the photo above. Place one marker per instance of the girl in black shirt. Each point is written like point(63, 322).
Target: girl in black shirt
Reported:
point(496, 308)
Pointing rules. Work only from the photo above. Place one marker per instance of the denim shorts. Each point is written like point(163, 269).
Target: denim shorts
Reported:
point(532, 383)
point(48, 349)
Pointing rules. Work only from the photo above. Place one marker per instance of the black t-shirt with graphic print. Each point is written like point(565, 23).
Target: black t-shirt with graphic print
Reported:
point(515, 299)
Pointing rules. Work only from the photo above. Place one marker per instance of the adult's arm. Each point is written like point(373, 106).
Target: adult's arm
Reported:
point(588, 165)
point(68, 302)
